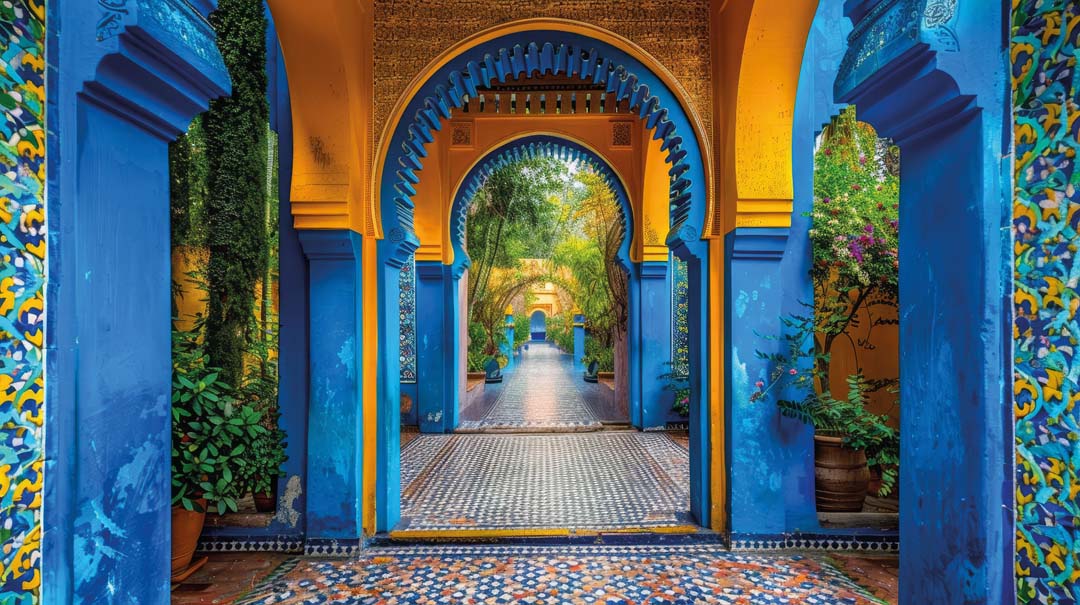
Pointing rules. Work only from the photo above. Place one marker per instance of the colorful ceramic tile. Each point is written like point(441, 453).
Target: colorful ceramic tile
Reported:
point(605, 480)
point(22, 302)
point(540, 394)
point(1046, 217)
point(564, 575)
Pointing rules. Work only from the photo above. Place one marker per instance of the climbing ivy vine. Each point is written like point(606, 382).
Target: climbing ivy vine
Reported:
point(235, 131)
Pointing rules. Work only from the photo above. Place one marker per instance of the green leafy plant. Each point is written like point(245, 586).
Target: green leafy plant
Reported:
point(603, 355)
point(846, 418)
point(679, 384)
point(212, 433)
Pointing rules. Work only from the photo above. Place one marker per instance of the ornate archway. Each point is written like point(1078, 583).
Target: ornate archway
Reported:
point(523, 51)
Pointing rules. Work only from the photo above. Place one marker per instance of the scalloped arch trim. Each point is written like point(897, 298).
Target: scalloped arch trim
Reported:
point(513, 64)
point(530, 147)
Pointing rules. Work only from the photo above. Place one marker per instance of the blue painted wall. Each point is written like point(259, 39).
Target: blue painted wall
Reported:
point(335, 431)
point(937, 84)
point(107, 488)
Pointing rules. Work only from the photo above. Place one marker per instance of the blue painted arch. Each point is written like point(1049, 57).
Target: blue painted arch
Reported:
point(519, 55)
point(538, 324)
point(530, 54)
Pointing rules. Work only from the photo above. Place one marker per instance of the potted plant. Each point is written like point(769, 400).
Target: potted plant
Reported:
point(267, 452)
point(212, 434)
point(848, 437)
point(678, 384)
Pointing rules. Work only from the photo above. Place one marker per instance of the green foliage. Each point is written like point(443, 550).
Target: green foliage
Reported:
point(679, 384)
point(213, 434)
point(596, 350)
point(560, 330)
point(855, 235)
point(600, 285)
point(521, 330)
point(855, 269)
point(236, 151)
point(187, 192)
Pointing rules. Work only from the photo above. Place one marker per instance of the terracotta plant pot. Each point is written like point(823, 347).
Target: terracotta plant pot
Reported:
point(265, 502)
point(841, 475)
point(187, 526)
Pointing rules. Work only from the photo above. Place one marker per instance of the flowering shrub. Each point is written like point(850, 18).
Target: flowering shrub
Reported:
point(854, 235)
point(854, 273)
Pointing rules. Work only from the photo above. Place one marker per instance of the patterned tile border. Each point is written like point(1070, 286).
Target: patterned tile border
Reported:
point(314, 547)
point(252, 544)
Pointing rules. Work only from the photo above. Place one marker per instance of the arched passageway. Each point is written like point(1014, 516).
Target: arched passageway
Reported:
point(538, 325)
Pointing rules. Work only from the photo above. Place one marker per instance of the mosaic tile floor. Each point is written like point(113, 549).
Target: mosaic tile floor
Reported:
point(541, 394)
point(562, 575)
point(605, 480)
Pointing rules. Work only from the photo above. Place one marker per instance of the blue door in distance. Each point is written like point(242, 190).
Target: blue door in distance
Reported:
point(538, 325)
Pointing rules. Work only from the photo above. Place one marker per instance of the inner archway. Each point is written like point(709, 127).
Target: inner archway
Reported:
point(538, 325)
point(649, 96)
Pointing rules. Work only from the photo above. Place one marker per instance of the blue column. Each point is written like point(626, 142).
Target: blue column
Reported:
point(335, 420)
point(129, 86)
point(655, 345)
point(508, 347)
point(633, 344)
point(579, 340)
point(757, 456)
point(436, 338)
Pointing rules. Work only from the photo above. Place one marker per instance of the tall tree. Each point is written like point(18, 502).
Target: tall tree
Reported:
point(235, 131)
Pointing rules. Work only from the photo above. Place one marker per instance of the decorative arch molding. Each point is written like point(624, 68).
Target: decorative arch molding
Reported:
point(528, 147)
point(529, 49)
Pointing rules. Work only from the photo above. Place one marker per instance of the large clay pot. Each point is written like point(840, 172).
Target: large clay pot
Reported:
point(187, 526)
point(841, 476)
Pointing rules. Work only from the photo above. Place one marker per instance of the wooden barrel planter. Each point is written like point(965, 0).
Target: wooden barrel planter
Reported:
point(841, 476)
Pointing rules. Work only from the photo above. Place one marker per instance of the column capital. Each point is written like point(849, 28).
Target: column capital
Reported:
point(759, 243)
point(330, 244)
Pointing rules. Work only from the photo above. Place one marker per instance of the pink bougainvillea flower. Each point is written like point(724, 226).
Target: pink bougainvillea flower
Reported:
point(759, 383)
point(793, 371)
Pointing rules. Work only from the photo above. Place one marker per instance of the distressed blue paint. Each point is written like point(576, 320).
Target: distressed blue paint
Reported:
point(335, 418)
point(107, 491)
point(756, 468)
point(942, 100)
point(437, 386)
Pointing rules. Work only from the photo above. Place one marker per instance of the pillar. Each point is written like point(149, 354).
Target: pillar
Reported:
point(436, 345)
point(757, 506)
point(335, 419)
point(579, 339)
point(655, 344)
point(130, 85)
point(508, 346)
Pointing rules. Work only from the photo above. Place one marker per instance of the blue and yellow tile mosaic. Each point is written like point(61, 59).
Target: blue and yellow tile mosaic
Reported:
point(1046, 219)
point(22, 297)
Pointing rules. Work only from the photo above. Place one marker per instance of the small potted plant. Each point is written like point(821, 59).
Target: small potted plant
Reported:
point(267, 456)
point(848, 438)
point(212, 434)
point(678, 384)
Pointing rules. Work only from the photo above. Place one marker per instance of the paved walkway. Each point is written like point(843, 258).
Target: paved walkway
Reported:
point(608, 575)
point(541, 394)
point(594, 481)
